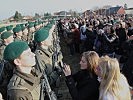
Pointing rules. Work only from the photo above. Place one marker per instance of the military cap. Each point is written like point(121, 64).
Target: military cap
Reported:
point(18, 25)
point(30, 25)
point(14, 50)
point(5, 35)
point(39, 22)
point(17, 29)
point(11, 26)
point(36, 24)
point(23, 27)
point(8, 28)
point(41, 35)
point(2, 29)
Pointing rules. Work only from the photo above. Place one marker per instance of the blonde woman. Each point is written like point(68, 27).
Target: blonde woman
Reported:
point(84, 84)
point(113, 84)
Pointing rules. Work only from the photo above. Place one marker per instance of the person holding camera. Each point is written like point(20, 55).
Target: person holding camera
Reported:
point(84, 84)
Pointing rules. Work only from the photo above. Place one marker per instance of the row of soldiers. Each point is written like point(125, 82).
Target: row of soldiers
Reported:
point(22, 79)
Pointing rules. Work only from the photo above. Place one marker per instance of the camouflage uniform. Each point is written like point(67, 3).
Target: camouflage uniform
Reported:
point(25, 38)
point(17, 39)
point(44, 62)
point(2, 48)
point(24, 86)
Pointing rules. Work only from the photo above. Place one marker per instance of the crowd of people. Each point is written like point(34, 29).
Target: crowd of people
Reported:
point(110, 36)
point(30, 52)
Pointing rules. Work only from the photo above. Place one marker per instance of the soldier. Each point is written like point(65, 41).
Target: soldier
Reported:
point(6, 70)
point(31, 30)
point(7, 37)
point(9, 28)
point(44, 56)
point(25, 82)
point(25, 33)
point(18, 33)
point(2, 29)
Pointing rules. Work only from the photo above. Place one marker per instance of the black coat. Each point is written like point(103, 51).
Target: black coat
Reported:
point(83, 86)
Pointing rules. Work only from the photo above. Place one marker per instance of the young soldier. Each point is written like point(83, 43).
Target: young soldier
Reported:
point(25, 83)
point(18, 33)
point(5, 70)
point(44, 55)
point(6, 37)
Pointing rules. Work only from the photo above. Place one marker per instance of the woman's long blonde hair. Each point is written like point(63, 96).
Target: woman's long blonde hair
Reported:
point(113, 82)
point(92, 59)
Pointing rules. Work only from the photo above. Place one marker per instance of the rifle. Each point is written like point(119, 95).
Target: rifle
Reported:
point(45, 83)
point(1, 69)
point(56, 50)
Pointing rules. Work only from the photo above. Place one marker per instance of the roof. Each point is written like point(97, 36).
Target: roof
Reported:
point(27, 17)
point(61, 13)
point(112, 10)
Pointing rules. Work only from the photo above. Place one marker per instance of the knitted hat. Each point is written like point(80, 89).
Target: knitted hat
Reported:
point(41, 35)
point(14, 50)
point(6, 35)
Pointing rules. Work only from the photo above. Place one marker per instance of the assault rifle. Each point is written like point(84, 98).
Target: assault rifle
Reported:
point(56, 50)
point(45, 85)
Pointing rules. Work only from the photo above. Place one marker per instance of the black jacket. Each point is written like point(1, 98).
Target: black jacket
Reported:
point(83, 85)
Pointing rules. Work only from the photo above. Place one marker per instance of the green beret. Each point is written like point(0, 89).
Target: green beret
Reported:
point(41, 35)
point(36, 24)
point(18, 25)
point(6, 35)
point(30, 25)
point(2, 29)
point(8, 28)
point(17, 29)
point(14, 50)
point(11, 26)
point(39, 22)
point(23, 27)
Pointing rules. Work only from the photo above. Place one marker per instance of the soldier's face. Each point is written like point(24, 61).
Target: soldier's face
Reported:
point(27, 58)
point(10, 39)
point(19, 33)
point(47, 42)
point(25, 32)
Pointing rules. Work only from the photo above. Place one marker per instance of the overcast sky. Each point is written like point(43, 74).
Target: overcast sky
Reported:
point(30, 7)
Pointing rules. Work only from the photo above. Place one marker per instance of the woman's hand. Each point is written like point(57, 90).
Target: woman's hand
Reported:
point(67, 70)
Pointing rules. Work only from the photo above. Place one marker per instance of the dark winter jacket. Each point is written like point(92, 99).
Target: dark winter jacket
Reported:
point(83, 85)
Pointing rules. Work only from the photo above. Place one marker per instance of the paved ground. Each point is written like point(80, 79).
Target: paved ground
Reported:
point(73, 61)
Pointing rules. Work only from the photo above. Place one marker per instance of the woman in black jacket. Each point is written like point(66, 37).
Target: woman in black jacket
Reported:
point(84, 84)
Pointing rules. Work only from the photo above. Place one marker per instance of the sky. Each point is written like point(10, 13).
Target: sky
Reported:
point(30, 7)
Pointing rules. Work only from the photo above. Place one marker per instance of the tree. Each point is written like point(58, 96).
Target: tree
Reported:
point(47, 15)
point(37, 16)
point(17, 16)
